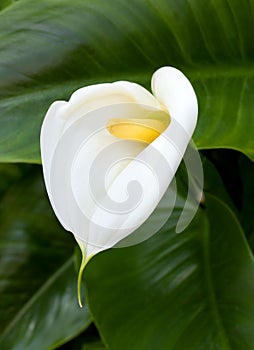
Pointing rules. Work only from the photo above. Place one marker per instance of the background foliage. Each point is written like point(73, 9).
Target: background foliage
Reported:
point(187, 291)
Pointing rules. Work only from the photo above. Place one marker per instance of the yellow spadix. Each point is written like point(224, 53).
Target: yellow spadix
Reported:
point(144, 130)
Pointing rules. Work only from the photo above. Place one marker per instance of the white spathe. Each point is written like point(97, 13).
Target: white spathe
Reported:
point(102, 188)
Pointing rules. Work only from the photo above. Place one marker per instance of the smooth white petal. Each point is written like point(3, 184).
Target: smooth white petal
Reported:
point(51, 130)
point(61, 115)
point(74, 137)
point(148, 177)
point(175, 92)
point(171, 87)
point(135, 192)
point(93, 97)
point(76, 153)
point(163, 156)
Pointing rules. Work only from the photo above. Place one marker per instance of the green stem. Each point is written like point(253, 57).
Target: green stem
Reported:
point(83, 264)
point(80, 274)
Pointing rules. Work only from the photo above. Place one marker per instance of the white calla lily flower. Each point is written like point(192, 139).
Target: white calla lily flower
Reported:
point(110, 153)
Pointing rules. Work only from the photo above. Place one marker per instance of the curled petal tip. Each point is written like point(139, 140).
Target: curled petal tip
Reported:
point(174, 91)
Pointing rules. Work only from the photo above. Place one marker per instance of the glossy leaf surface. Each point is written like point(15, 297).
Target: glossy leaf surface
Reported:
point(178, 291)
point(50, 48)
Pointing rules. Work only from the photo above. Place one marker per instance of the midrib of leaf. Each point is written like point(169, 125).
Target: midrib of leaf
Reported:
point(200, 73)
point(221, 71)
point(36, 296)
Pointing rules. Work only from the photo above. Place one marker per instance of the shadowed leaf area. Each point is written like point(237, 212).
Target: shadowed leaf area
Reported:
point(38, 300)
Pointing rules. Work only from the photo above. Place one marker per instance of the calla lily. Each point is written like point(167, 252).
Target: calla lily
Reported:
point(110, 153)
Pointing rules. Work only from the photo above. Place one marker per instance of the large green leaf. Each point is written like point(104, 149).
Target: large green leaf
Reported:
point(5, 3)
point(192, 290)
point(51, 317)
point(49, 48)
point(38, 296)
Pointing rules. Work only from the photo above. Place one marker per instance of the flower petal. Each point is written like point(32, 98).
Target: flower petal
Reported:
point(93, 97)
point(100, 204)
point(81, 157)
point(61, 115)
point(173, 90)
point(163, 156)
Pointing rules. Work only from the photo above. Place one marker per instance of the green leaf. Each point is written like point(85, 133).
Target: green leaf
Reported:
point(5, 3)
point(66, 45)
point(192, 290)
point(38, 295)
point(51, 317)
point(226, 111)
